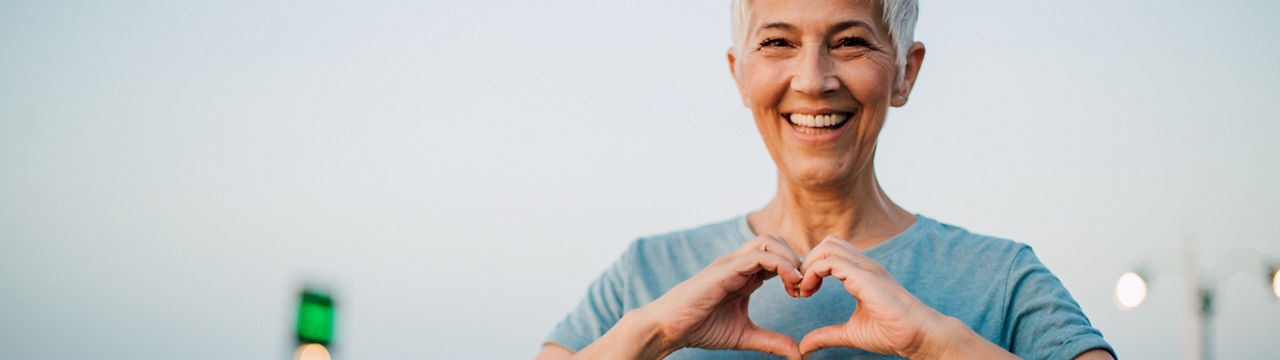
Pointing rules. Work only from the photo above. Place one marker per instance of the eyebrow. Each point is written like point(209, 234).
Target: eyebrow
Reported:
point(840, 26)
point(849, 24)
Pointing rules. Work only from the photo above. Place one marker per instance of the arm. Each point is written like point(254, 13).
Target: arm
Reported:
point(1042, 320)
point(634, 337)
point(949, 338)
point(556, 352)
point(552, 351)
point(709, 310)
point(1096, 354)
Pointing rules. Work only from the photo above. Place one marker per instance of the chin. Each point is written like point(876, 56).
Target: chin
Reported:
point(820, 173)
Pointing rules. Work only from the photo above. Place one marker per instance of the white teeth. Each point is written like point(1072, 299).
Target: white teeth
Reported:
point(823, 120)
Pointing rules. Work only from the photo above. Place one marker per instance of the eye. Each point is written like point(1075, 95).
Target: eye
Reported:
point(852, 42)
point(775, 42)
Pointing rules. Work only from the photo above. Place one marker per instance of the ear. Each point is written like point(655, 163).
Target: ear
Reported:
point(733, 70)
point(915, 57)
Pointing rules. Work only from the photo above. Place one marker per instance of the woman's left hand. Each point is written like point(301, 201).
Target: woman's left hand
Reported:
point(888, 319)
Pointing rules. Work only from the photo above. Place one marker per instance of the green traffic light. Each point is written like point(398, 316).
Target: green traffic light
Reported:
point(315, 318)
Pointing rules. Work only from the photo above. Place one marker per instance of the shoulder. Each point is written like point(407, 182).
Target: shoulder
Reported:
point(958, 243)
point(681, 253)
point(713, 238)
point(940, 256)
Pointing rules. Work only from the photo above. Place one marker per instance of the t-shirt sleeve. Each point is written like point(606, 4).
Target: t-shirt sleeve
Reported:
point(1042, 321)
point(599, 310)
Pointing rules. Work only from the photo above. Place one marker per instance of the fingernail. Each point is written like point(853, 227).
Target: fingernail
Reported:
point(797, 272)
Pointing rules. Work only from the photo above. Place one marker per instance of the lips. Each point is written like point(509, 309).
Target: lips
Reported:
point(815, 124)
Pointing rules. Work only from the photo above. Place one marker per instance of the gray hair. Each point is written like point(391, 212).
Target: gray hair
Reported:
point(899, 15)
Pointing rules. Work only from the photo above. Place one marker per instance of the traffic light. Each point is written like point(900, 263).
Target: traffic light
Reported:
point(315, 325)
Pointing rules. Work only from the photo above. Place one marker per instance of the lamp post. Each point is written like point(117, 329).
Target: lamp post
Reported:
point(1131, 290)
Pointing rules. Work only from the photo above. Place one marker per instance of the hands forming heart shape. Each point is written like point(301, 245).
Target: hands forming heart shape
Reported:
point(709, 310)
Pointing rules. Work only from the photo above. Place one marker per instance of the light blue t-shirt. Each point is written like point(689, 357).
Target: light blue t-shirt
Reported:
point(996, 286)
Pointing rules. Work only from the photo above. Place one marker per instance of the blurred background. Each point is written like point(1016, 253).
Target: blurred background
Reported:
point(174, 173)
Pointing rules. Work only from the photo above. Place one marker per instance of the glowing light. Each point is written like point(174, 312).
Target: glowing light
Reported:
point(1275, 282)
point(311, 352)
point(1131, 290)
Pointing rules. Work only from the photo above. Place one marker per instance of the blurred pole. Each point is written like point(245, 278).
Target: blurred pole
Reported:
point(1194, 333)
point(1206, 324)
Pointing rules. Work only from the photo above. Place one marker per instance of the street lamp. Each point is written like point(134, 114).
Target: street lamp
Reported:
point(1275, 280)
point(1131, 288)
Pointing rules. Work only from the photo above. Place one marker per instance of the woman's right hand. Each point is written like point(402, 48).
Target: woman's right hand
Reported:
point(709, 310)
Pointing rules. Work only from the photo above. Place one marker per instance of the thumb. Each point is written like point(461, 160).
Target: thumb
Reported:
point(824, 337)
point(756, 338)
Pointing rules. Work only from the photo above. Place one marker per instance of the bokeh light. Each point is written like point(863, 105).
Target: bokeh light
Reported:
point(1275, 282)
point(1131, 290)
point(311, 352)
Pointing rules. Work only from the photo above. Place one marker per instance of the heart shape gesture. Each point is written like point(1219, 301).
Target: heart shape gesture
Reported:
point(709, 310)
point(888, 318)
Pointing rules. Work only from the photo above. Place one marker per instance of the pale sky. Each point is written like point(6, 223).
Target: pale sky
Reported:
point(172, 172)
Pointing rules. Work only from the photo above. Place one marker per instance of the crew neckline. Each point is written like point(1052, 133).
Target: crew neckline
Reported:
point(894, 243)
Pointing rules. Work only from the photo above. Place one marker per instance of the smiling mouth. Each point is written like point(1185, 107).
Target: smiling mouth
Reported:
point(817, 124)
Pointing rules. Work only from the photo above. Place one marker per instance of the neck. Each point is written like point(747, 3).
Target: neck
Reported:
point(859, 212)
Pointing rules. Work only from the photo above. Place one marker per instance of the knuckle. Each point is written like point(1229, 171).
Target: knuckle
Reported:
point(762, 256)
point(817, 252)
point(767, 241)
point(757, 243)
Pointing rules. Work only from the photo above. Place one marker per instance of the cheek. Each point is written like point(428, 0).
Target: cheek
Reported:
point(871, 85)
point(764, 84)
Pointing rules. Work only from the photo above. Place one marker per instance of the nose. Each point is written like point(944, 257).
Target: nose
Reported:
point(815, 74)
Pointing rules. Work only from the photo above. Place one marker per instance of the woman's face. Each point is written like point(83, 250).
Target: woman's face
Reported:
point(818, 76)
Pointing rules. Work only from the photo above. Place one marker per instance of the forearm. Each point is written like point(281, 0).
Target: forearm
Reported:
point(635, 336)
point(951, 339)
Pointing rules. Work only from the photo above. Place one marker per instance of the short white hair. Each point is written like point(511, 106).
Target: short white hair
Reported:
point(899, 15)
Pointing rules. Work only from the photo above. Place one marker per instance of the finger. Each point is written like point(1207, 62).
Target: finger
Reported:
point(845, 248)
point(771, 243)
point(825, 337)
point(835, 247)
point(816, 253)
point(831, 245)
point(815, 271)
point(841, 242)
point(866, 286)
point(853, 277)
point(780, 245)
point(774, 244)
point(756, 338)
point(760, 261)
point(811, 281)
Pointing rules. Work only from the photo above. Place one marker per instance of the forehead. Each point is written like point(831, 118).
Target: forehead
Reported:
point(813, 15)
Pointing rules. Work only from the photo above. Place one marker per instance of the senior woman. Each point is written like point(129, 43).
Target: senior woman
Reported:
point(830, 260)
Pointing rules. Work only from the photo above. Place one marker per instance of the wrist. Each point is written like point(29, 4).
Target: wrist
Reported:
point(647, 330)
point(942, 335)
point(949, 338)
